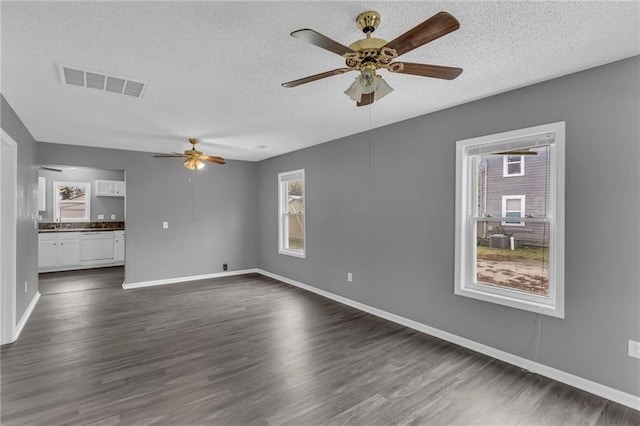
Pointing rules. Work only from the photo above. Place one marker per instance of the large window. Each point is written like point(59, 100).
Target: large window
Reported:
point(500, 259)
point(71, 201)
point(291, 222)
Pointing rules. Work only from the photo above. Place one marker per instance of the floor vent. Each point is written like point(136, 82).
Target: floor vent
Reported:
point(76, 76)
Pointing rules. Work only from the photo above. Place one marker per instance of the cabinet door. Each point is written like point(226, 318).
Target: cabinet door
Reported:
point(104, 188)
point(118, 250)
point(47, 254)
point(69, 253)
point(119, 188)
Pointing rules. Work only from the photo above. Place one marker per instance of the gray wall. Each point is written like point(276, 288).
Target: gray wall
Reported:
point(383, 209)
point(212, 219)
point(99, 205)
point(26, 232)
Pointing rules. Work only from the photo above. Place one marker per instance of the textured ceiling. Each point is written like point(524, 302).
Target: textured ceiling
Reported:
point(214, 69)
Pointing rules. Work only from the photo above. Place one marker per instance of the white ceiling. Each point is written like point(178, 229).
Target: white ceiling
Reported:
point(214, 69)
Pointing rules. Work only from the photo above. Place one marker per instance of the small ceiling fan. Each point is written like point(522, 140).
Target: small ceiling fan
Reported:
point(194, 157)
point(370, 54)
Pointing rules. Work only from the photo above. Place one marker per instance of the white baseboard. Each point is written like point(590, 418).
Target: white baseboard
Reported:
point(615, 395)
point(26, 315)
point(140, 284)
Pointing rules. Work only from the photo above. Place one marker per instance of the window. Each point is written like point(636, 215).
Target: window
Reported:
point(71, 201)
point(517, 263)
point(513, 206)
point(513, 165)
point(291, 223)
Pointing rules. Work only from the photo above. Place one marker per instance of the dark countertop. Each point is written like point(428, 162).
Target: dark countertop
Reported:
point(48, 231)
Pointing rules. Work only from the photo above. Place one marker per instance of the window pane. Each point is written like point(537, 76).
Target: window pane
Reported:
point(491, 185)
point(295, 196)
point(525, 268)
point(513, 204)
point(71, 192)
point(72, 210)
point(295, 238)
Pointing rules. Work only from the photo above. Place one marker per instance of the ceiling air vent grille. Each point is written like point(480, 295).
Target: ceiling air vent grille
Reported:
point(76, 76)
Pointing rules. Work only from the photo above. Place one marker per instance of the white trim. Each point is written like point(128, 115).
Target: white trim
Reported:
point(553, 135)
point(598, 389)
point(283, 178)
point(8, 239)
point(188, 278)
point(26, 315)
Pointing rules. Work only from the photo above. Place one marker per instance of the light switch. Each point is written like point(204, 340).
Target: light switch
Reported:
point(100, 216)
point(113, 217)
point(165, 225)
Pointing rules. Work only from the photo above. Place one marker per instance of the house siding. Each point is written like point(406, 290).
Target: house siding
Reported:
point(532, 185)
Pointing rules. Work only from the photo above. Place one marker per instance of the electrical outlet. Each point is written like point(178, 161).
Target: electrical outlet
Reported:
point(26, 286)
point(224, 267)
point(349, 277)
point(165, 225)
point(634, 349)
point(113, 217)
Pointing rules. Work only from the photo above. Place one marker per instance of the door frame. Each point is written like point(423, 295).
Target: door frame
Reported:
point(8, 239)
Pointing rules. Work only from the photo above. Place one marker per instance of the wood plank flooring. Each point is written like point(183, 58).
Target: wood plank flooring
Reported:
point(83, 279)
point(249, 350)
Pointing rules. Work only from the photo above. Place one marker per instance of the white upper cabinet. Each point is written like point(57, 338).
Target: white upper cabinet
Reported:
point(110, 188)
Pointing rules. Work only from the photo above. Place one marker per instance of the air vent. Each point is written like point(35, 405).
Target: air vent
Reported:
point(76, 76)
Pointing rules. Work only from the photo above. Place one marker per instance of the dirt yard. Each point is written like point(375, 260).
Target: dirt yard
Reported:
point(524, 274)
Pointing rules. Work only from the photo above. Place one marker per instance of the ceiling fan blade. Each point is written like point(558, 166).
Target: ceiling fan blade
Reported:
point(435, 27)
point(315, 77)
point(217, 160)
point(51, 169)
point(171, 155)
point(320, 40)
point(366, 99)
point(427, 70)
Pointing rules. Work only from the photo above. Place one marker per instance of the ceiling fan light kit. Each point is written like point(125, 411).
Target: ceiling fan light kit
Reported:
point(194, 157)
point(370, 54)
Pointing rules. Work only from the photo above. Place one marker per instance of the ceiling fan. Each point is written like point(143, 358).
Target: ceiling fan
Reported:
point(51, 169)
point(370, 54)
point(194, 157)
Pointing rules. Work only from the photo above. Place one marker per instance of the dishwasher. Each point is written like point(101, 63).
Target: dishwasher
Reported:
point(96, 246)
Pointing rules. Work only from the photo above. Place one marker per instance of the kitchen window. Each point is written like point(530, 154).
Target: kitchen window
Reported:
point(72, 201)
point(512, 262)
point(291, 213)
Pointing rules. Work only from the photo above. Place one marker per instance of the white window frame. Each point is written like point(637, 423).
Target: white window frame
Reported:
point(87, 201)
point(467, 153)
point(505, 166)
point(505, 212)
point(283, 215)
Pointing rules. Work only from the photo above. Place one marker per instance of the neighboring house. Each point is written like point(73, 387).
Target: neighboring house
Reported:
point(514, 186)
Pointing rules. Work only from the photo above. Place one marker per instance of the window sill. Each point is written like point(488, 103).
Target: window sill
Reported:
point(556, 310)
point(293, 253)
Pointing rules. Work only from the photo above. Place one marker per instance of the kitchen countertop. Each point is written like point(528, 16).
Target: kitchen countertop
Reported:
point(48, 231)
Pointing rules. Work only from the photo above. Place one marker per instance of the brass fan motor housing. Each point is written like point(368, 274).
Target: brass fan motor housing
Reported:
point(368, 21)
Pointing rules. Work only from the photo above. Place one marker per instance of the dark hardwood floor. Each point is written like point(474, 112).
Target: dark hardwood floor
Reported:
point(83, 279)
point(249, 350)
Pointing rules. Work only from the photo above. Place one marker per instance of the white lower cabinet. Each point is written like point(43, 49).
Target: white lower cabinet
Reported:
point(60, 251)
point(118, 246)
